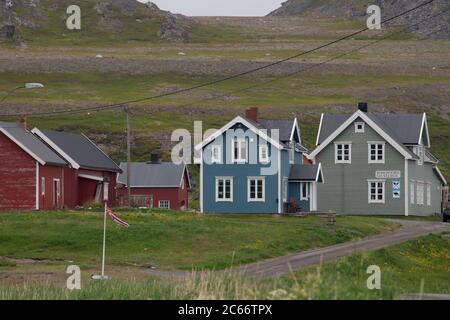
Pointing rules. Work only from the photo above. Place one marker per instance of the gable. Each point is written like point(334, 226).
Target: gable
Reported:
point(369, 122)
point(239, 121)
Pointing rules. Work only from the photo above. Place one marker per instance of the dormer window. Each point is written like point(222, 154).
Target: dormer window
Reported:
point(359, 127)
point(264, 154)
point(215, 154)
point(291, 153)
point(240, 153)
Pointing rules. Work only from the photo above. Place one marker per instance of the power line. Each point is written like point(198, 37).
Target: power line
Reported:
point(121, 104)
point(326, 61)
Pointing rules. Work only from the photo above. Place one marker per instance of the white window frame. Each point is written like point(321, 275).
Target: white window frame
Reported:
point(419, 151)
point(291, 153)
point(357, 130)
point(383, 148)
point(238, 158)
point(412, 187)
point(42, 186)
point(218, 158)
point(264, 148)
point(224, 199)
point(369, 186)
point(343, 144)
point(308, 191)
point(263, 185)
point(420, 193)
point(428, 194)
point(285, 189)
point(160, 206)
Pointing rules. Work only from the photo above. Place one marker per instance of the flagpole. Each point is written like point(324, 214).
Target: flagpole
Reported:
point(104, 243)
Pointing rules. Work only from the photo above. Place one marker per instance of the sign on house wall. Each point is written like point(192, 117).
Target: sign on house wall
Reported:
point(396, 189)
point(388, 174)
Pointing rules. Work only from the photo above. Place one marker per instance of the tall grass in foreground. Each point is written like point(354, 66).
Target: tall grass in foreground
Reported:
point(204, 286)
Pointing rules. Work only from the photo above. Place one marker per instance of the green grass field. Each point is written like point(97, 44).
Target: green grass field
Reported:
point(419, 266)
point(172, 240)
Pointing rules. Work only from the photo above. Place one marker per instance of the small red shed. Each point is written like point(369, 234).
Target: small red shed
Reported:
point(155, 184)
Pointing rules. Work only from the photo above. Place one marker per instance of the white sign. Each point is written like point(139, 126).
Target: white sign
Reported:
point(388, 174)
point(396, 185)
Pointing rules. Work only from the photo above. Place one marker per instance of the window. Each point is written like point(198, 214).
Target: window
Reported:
point(215, 154)
point(376, 191)
point(164, 204)
point(43, 186)
point(285, 189)
point(263, 153)
point(291, 153)
point(240, 150)
point(256, 189)
point(428, 194)
point(411, 187)
point(376, 152)
point(224, 189)
point(418, 150)
point(359, 127)
point(305, 191)
point(343, 152)
point(420, 193)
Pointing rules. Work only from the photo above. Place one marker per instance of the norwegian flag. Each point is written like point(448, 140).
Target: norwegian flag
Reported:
point(115, 218)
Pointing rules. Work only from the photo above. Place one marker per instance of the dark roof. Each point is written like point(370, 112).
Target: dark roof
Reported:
point(284, 127)
point(82, 150)
point(429, 157)
point(31, 143)
point(164, 174)
point(302, 172)
point(404, 128)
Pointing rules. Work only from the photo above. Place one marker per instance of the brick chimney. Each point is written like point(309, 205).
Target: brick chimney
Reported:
point(23, 121)
point(252, 114)
point(363, 106)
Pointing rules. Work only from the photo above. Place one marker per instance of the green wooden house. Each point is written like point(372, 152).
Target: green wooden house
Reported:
point(377, 164)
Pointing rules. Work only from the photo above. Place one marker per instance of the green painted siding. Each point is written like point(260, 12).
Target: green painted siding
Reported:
point(424, 174)
point(345, 189)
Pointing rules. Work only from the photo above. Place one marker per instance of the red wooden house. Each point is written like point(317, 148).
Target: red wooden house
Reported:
point(155, 184)
point(42, 170)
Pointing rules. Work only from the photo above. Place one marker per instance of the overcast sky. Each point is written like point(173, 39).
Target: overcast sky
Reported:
point(219, 7)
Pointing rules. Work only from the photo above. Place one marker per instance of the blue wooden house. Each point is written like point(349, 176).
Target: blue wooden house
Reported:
point(257, 166)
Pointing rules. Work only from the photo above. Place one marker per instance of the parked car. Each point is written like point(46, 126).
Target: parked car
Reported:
point(446, 214)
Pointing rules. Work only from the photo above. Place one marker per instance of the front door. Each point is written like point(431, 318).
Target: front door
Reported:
point(56, 193)
point(305, 195)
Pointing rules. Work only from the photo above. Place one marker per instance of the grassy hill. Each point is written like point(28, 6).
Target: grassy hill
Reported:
point(356, 9)
point(399, 75)
point(103, 22)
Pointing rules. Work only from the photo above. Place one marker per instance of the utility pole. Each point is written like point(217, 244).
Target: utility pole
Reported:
point(127, 112)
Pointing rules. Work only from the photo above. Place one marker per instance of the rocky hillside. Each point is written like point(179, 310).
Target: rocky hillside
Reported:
point(438, 28)
point(101, 20)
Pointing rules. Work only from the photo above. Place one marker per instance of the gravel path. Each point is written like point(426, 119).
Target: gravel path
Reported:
point(409, 230)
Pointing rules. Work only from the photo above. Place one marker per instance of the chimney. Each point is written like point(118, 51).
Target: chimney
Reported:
point(363, 106)
point(154, 158)
point(252, 114)
point(23, 121)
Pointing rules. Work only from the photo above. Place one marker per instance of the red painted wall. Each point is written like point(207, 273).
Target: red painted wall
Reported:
point(178, 197)
point(47, 195)
point(79, 191)
point(17, 177)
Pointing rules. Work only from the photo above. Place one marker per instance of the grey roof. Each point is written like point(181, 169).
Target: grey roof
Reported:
point(33, 144)
point(302, 172)
point(284, 127)
point(429, 157)
point(81, 150)
point(404, 128)
point(164, 174)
